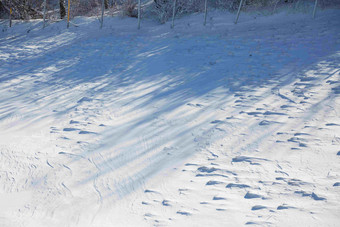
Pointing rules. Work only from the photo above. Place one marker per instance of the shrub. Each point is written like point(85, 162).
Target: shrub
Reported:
point(129, 8)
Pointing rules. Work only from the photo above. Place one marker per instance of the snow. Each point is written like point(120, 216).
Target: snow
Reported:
point(192, 126)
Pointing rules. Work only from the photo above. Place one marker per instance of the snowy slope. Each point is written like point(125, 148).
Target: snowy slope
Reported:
point(223, 125)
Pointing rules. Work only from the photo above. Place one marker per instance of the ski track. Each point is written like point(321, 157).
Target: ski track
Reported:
point(224, 125)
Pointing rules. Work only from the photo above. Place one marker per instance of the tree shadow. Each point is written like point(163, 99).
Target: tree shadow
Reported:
point(169, 88)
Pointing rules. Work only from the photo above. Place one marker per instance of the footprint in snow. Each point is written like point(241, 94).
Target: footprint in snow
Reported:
point(265, 122)
point(258, 207)
point(212, 175)
point(302, 145)
point(332, 124)
point(252, 196)
point(84, 99)
point(281, 133)
point(213, 182)
point(285, 207)
point(182, 191)
point(247, 159)
point(195, 105)
point(183, 213)
point(254, 113)
point(54, 130)
point(295, 148)
point(336, 90)
point(311, 195)
point(219, 198)
point(191, 164)
point(305, 79)
point(49, 164)
point(292, 182)
point(301, 134)
point(150, 191)
point(217, 122)
point(70, 129)
point(166, 203)
point(296, 139)
point(207, 170)
point(204, 203)
point(87, 132)
point(286, 106)
point(261, 223)
point(232, 185)
point(296, 182)
point(332, 81)
point(219, 129)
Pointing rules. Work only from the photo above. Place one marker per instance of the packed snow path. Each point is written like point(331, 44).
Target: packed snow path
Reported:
point(220, 125)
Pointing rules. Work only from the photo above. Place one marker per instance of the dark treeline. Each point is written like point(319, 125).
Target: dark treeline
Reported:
point(33, 9)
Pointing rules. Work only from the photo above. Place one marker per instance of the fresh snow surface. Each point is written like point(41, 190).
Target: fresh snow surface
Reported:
point(223, 125)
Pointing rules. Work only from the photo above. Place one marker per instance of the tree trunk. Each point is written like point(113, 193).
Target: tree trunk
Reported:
point(139, 12)
point(62, 9)
point(106, 3)
point(238, 12)
point(10, 17)
point(102, 18)
point(205, 12)
point(25, 9)
point(44, 18)
point(173, 14)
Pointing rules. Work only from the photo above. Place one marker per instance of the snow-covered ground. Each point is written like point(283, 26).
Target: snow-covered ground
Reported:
point(223, 125)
